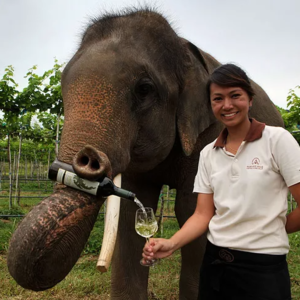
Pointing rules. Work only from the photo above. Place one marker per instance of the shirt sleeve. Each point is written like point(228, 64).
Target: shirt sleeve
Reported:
point(202, 180)
point(286, 152)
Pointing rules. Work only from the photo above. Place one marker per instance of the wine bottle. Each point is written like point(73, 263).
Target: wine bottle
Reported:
point(64, 173)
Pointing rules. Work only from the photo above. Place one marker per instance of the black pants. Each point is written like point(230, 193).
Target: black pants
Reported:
point(236, 275)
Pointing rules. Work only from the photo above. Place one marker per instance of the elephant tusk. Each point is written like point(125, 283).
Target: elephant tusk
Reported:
point(110, 229)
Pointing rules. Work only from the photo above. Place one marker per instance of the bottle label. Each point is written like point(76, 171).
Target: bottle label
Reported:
point(78, 183)
point(60, 175)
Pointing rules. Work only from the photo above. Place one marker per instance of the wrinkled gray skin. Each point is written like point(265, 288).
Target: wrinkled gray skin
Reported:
point(135, 92)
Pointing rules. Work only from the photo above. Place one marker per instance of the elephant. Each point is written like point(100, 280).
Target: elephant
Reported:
point(134, 96)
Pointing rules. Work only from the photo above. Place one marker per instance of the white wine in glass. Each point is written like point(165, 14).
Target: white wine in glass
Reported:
point(146, 226)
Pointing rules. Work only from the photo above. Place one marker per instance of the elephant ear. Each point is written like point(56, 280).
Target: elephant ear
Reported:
point(194, 112)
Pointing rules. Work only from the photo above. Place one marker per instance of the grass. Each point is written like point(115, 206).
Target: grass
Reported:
point(7, 227)
point(294, 264)
point(84, 282)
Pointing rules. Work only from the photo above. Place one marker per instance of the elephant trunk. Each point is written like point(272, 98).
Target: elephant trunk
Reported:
point(91, 164)
point(50, 239)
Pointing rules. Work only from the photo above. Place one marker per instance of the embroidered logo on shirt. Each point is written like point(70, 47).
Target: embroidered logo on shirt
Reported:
point(255, 164)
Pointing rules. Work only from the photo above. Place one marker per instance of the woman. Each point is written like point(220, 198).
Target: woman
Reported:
point(242, 184)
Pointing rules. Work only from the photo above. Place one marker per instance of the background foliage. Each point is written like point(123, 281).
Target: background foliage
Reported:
point(291, 116)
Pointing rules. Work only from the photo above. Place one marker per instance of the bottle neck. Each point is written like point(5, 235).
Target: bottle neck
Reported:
point(124, 193)
point(108, 188)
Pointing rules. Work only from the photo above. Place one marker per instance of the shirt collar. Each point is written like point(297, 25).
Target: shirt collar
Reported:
point(254, 133)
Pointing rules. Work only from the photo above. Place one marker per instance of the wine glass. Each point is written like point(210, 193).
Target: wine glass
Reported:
point(146, 226)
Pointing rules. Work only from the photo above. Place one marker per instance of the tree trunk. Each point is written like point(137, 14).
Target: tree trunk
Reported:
point(48, 167)
point(38, 175)
point(25, 169)
point(57, 135)
point(10, 171)
point(14, 168)
point(3, 168)
point(35, 164)
point(31, 170)
point(17, 199)
point(1, 174)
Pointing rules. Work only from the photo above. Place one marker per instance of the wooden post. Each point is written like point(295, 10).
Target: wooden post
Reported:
point(161, 214)
point(168, 199)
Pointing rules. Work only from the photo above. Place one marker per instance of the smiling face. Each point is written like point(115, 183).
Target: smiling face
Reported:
point(230, 105)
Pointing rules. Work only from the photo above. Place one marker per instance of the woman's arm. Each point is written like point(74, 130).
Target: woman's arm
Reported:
point(293, 218)
point(194, 227)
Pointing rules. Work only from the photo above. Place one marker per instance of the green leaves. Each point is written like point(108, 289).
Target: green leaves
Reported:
point(8, 91)
point(291, 116)
point(42, 93)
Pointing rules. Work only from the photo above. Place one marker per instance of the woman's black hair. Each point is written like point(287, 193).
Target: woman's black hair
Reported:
point(230, 75)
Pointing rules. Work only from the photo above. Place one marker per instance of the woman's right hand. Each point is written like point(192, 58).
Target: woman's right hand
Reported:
point(158, 248)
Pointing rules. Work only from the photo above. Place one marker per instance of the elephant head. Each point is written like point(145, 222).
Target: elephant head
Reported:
point(135, 93)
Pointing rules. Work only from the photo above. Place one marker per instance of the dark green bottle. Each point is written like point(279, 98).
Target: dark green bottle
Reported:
point(64, 173)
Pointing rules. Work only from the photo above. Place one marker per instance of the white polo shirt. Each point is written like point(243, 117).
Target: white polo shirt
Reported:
point(250, 188)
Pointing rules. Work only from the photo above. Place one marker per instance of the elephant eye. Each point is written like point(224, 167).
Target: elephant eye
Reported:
point(145, 94)
point(143, 88)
